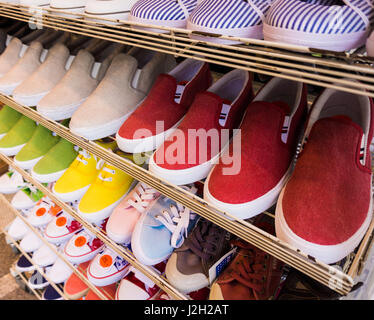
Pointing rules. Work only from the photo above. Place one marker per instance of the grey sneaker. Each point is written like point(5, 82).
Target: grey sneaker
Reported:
point(126, 83)
point(188, 267)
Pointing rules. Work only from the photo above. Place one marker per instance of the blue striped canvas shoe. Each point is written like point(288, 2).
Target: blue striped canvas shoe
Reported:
point(237, 18)
point(166, 13)
point(323, 24)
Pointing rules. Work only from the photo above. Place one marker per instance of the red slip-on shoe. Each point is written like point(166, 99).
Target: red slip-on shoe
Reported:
point(189, 153)
point(166, 105)
point(326, 207)
point(251, 181)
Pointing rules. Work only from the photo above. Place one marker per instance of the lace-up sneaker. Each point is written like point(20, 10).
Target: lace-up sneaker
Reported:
point(107, 268)
point(105, 193)
point(24, 265)
point(194, 147)
point(166, 13)
point(321, 211)
point(252, 274)
point(83, 171)
point(125, 216)
point(83, 246)
point(236, 18)
point(275, 118)
point(166, 104)
point(136, 286)
point(62, 227)
point(328, 25)
point(17, 228)
point(37, 281)
point(188, 266)
point(168, 222)
point(43, 212)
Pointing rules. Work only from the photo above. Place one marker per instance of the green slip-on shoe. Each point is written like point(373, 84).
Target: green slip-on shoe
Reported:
point(17, 137)
point(40, 143)
point(8, 118)
point(52, 166)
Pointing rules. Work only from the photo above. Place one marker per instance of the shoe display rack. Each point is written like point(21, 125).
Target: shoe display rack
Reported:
point(350, 72)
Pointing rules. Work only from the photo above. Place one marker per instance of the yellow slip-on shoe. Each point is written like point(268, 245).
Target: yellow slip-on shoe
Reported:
point(105, 193)
point(83, 171)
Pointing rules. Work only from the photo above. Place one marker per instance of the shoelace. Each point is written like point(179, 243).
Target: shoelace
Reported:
point(177, 220)
point(250, 270)
point(204, 239)
point(143, 195)
point(85, 155)
point(104, 177)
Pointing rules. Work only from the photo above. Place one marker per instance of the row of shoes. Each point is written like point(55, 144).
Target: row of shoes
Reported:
point(335, 25)
point(184, 100)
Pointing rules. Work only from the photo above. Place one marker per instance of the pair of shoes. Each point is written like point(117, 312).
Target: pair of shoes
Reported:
point(145, 215)
point(319, 211)
point(326, 24)
point(123, 82)
point(98, 186)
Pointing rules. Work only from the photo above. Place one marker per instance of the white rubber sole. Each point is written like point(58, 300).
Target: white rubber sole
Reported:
point(29, 101)
point(252, 208)
point(254, 32)
point(12, 151)
point(9, 191)
point(137, 248)
point(144, 144)
point(320, 41)
point(29, 269)
point(47, 178)
point(179, 24)
point(183, 176)
point(27, 165)
point(8, 90)
point(184, 283)
point(98, 216)
point(38, 286)
point(60, 113)
point(101, 131)
point(105, 281)
point(71, 196)
point(325, 253)
point(118, 238)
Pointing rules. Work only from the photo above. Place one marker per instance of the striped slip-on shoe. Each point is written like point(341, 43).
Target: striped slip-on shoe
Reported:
point(323, 24)
point(235, 18)
point(165, 13)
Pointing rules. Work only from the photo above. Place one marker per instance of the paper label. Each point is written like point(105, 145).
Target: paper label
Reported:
point(220, 265)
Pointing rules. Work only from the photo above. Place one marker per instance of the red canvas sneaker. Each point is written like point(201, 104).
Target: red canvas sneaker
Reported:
point(192, 149)
point(251, 181)
point(252, 274)
point(326, 207)
point(164, 108)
